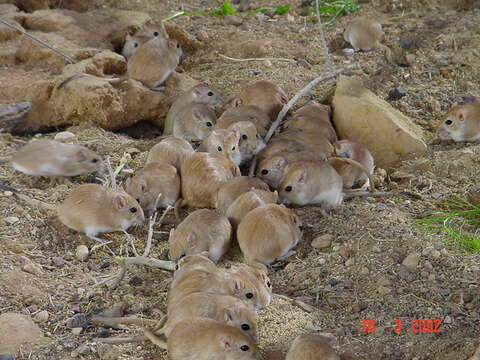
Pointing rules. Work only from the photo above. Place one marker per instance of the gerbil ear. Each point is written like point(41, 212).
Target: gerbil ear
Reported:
point(225, 342)
point(302, 176)
point(81, 155)
point(294, 219)
point(237, 102)
point(143, 186)
point(461, 115)
point(192, 240)
point(119, 202)
point(279, 163)
point(237, 284)
point(128, 37)
point(228, 315)
point(275, 195)
point(236, 171)
point(171, 233)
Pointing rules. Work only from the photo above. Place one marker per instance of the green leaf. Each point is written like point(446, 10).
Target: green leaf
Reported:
point(227, 8)
point(283, 9)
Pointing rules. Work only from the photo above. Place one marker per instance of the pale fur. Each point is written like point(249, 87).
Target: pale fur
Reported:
point(245, 113)
point(313, 183)
point(258, 275)
point(202, 230)
point(224, 143)
point(202, 176)
point(193, 262)
point(465, 123)
point(250, 141)
point(145, 33)
point(94, 209)
point(364, 34)
point(199, 94)
point(311, 347)
point(52, 158)
point(172, 151)
point(194, 122)
point(268, 233)
point(154, 180)
point(247, 202)
point(205, 339)
point(235, 187)
point(266, 95)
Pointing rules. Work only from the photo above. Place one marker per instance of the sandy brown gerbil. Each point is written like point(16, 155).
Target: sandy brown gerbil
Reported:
point(245, 113)
point(250, 141)
point(311, 183)
point(462, 123)
point(199, 94)
point(269, 233)
point(247, 202)
point(202, 176)
point(235, 187)
point(365, 34)
point(52, 158)
point(146, 32)
point(266, 95)
point(193, 262)
point(258, 276)
point(224, 143)
point(351, 175)
point(170, 150)
point(205, 339)
point(222, 308)
point(271, 170)
point(202, 230)
point(194, 122)
point(93, 209)
point(311, 347)
point(156, 184)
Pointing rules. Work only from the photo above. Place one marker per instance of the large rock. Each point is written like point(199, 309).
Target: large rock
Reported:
point(19, 332)
point(361, 116)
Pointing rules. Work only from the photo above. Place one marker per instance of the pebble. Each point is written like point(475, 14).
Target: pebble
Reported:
point(435, 254)
point(348, 51)
point(202, 35)
point(41, 316)
point(364, 271)
point(383, 290)
point(447, 320)
point(8, 193)
point(10, 220)
point(322, 261)
point(58, 261)
point(81, 252)
point(107, 352)
point(31, 268)
point(396, 93)
point(233, 20)
point(77, 331)
point(83, 350)
point(32, 308)
point(322, 241)
point(381, 207)
point(78, 321)
point(132, 150)
point(411, 262)
point(350, 262)
point(64, 135)
point(436, 196)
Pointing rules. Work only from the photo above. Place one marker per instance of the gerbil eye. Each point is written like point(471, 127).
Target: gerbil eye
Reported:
point(264, 172)
point(301, 228)
point(449, 122)
point(245, 327)
point(244, 348)
point(176, 267)
point(178, 45)
point(249, 295)
point(155, 33)
point(135, 45)
point(138, 200)
point(209, 124)
point(210, 93)
point(133, 210)
point(269, 284)
point(288, 189)
point(219, 148)
point(233, 148)
point(94, 160)
point(244, 137)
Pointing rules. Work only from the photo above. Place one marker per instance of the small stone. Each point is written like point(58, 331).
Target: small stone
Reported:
point(381, 207)
point(377, 249)
point(411, 262)
point(8, 193)
point(322, 241)
point(350, 262)
point(447, 320)
point(396, 93)
point(32, 308)
point(64, 135)
point(78, 321)
point(132, 150)
point(436, 196)
point(10, 220)
point(348, 51)
point(233, 20)
point(444, 252)
point(81, 252)
point(202, 35)
point(83, 350)
point(290, 18)
point(364, 271)
point(41, 316)
point(322, 261)
point(58, 261)
point(410, 58)
point(77, 331)
point(435, 254)
point(107, 352)
point(344, 252)
point(32, 268)
point(383, 290)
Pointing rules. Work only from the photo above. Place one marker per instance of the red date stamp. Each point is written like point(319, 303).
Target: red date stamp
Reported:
point(416, 326)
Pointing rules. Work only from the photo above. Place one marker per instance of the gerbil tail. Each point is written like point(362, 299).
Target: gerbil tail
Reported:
point(178, 205)
point(358, 166)
point(123, 340)
point(155, 339)
point(29, 200)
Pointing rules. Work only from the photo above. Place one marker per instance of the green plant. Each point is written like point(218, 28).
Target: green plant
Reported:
point(280, 10)
point(458, 222)
point(333, 9)
point(226, 9)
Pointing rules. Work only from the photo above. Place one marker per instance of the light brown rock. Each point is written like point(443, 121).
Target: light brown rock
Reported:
point(322, 241)
point(361, 116)
point(19, 332)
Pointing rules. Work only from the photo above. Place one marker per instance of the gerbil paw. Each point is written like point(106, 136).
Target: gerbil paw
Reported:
point(286, 255)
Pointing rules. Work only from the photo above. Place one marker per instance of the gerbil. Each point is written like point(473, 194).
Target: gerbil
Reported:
point(235, 187)
point(250, 141)
point(364, 34)
point(224, 143)
point(311, 183)
point(268, 233)
point(205, 339)
point(202, 176)
point(266, 95)
point(351, 175)
point(170, 150)
point(53, 158)
point(193, 262)
point(194, 122)
point(311, 347)
point(199, 94)
point(245, 113)
point(156, 184)
point(462, 123)
point(258, 275)
point(222, 308)
point(94, 209)
point(247, 202)
point(202, 230)
point(271, 169)
point(145, 33)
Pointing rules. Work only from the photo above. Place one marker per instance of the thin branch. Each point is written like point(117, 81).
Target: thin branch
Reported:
point(115, 321)
point(41, 42)
point(256, 59)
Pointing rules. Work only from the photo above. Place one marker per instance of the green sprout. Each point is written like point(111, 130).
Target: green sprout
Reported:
point(458, 222)
point(226, 9)
point(333, 9)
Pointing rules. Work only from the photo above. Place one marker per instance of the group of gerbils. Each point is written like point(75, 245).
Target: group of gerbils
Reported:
point(303, 164)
